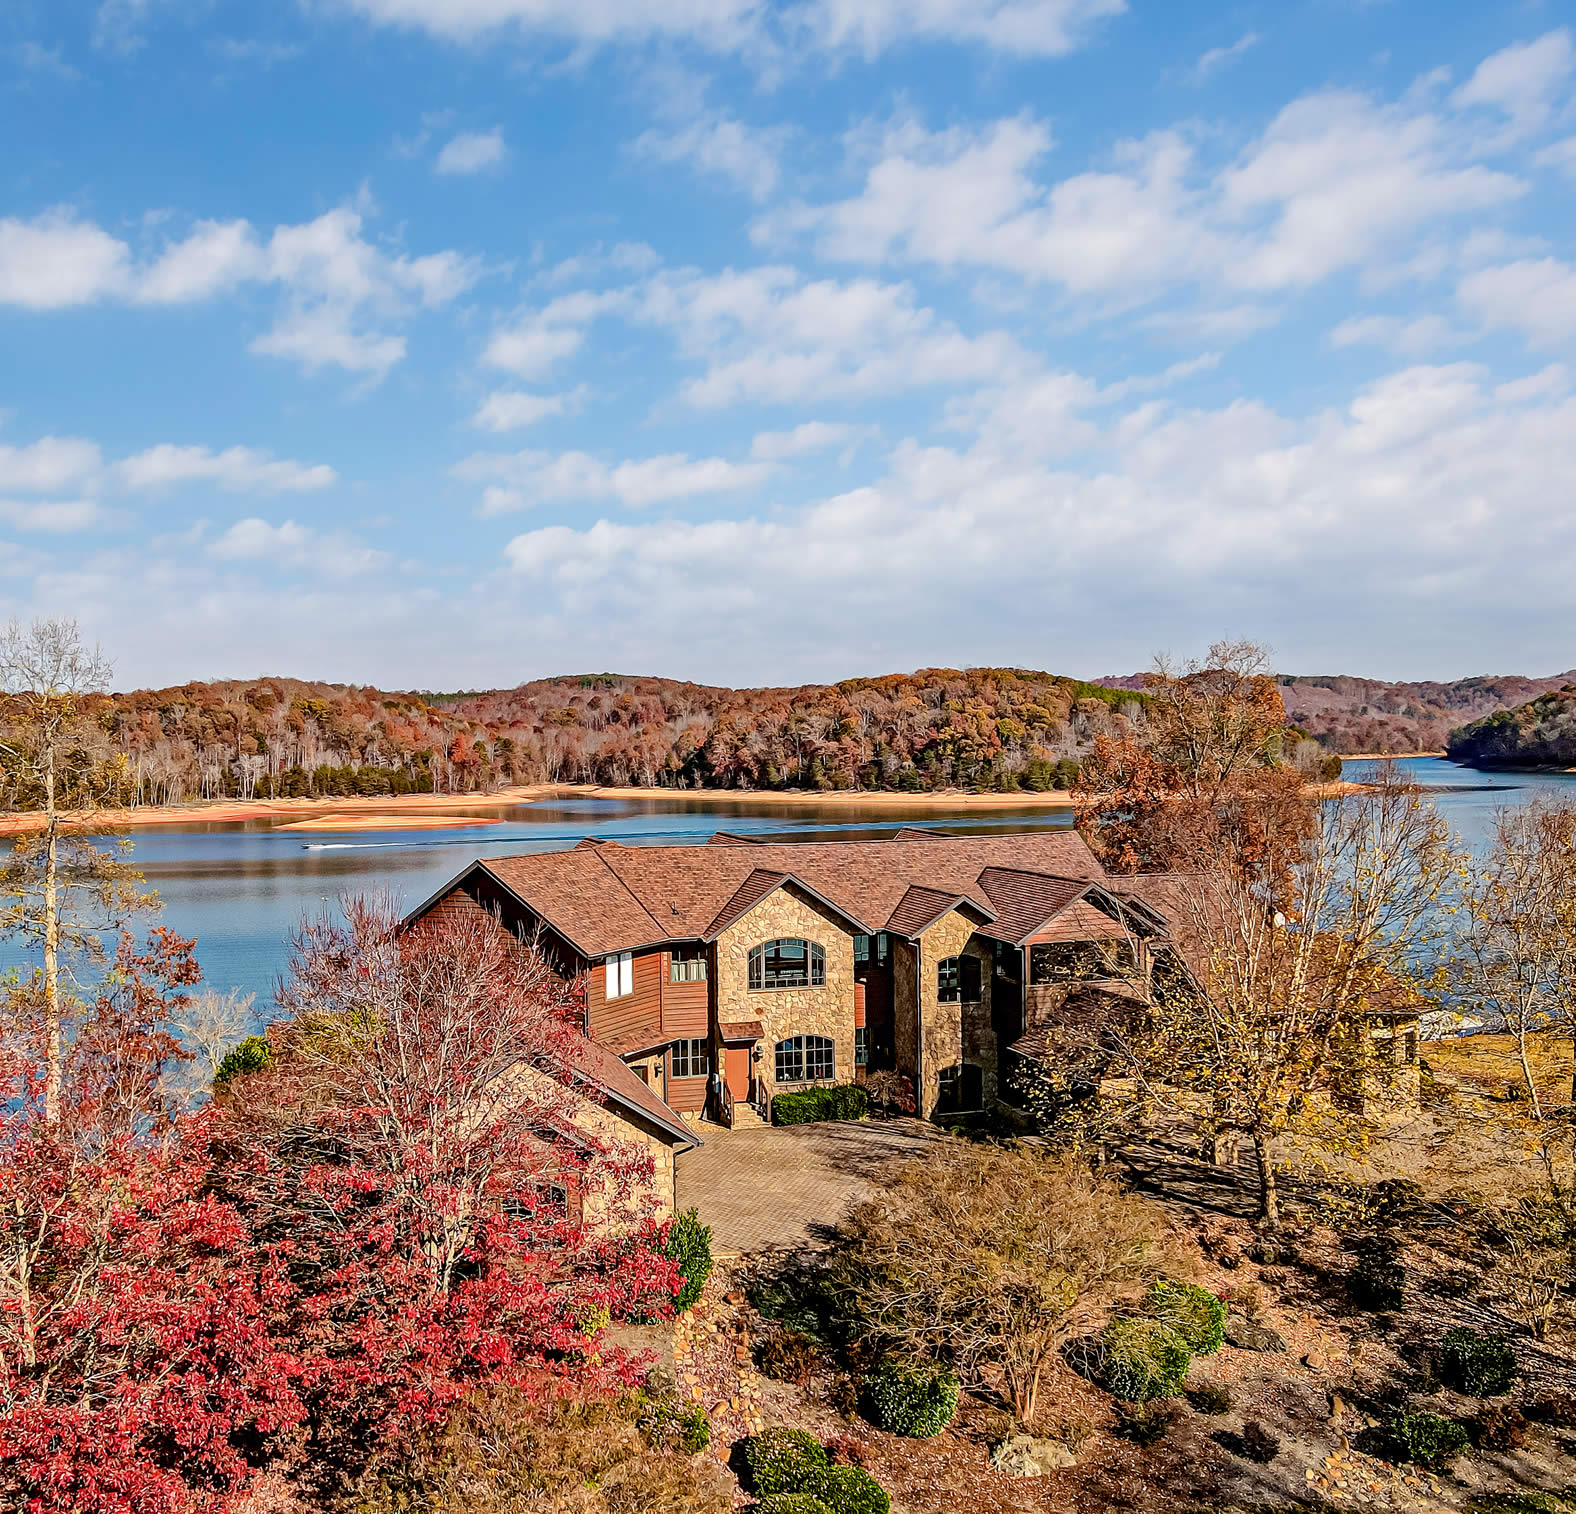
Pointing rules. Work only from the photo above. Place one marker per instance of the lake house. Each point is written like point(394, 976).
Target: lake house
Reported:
point(721, 975)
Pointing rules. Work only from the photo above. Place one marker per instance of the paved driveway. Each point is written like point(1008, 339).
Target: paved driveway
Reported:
point(781, 1189)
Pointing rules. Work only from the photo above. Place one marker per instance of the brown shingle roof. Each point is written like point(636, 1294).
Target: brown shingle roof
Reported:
point(733, 838)
point(623, 1089)
point(611, 899)
point(921, 907)
point(1025, 901)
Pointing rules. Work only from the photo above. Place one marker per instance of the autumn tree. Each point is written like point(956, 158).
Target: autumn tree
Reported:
point(993, 1257)
point(64, 891)
point(1267, 1007)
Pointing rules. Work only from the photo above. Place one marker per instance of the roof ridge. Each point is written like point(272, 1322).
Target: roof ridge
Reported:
point(662, 930)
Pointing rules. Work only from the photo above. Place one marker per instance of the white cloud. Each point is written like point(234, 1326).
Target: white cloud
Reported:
point(38, 59)
point(1536, 296)
point(57, 260)
point(1217, 58)
point(721, 145)
point(1522, 83)
point(1029, 28)
point(811, 436)
point(51, 515)
point(236, 468)
point(51, 464)
point(473, 152)
point(528, 478)
point(341, 291)
point(1410, 338)
point(293, 546)
point(769, 335)
point(1561, 155)
point(509, 410)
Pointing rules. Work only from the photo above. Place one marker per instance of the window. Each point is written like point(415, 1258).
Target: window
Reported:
point(873, 951)
point(687, 964)
point(958, 980)
point(788, 963)
point(960, 1089)
point(861, 1047)
point(805, 1059)
point(620, 975)
point(691, 1059)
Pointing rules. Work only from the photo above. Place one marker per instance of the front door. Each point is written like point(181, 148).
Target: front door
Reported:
point(736, 1068)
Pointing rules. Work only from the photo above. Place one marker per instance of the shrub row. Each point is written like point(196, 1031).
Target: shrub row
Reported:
point(792, 1474)
point(843, 1101)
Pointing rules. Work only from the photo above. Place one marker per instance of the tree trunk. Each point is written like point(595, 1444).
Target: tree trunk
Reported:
point(1269, 1197)
point(54, 1053)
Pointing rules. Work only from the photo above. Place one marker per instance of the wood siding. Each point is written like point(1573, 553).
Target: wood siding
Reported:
point(686, 1007)
point(638, 1014)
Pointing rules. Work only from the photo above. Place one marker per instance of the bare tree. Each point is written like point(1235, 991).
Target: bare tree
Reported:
point(209, 1026)
point(64, 892)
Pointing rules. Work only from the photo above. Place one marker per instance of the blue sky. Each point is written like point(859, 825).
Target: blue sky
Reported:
point(447, 343)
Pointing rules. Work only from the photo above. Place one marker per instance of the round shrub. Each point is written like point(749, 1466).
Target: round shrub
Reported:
point(783, 1460)
point(1476, 1363)
point(689, 1245)
point(911, 1400)
point(851, 1490)
point(1430, 1440)
point(667, 1420)
point(1193, 1312)
point(1377, 1280)
point(251, 1055)
point(1143, 1359)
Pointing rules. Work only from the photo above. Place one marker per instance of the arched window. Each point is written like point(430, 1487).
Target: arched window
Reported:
point(788, 963)
point(805, 1059)
point(958, 980)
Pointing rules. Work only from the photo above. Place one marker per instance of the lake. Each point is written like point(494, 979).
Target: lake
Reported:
point(239, 888)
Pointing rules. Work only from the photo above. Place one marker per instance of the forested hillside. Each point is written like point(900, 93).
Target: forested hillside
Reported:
point(1368, 715)
point(279, 737)
point(1541, 733)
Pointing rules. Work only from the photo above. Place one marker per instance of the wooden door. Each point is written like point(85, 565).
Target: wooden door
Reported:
point(736, 1068)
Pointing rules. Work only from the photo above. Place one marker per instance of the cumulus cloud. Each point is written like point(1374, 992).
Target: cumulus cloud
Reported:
point(293, 546)
point(1219, 58)
point(55, 515)
point(528, 478)
point(50, 464)
point(1412, 338)
point(236, 468)
point(341, 291)
point(810, 437)
point(473, 152)
point(1536, 296)
point(1522, 83)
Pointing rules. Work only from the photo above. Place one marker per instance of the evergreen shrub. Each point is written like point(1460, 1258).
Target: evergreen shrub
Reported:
point(1195, 1313)
point(781, 1460)
point(251, 1055)
point(1142, 1359)
point(1430, 1440)
point(917, 1401)
point(791, 1503)
point(841, 1101)
point(1474, 1362)
point(689, 1245)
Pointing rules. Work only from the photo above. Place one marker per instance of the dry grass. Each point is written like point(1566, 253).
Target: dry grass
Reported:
point(1490, 1064)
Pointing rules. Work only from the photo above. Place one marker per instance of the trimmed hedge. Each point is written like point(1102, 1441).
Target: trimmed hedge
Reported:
point(1430, 1440)
point(791, 1503)
point(782, 1460)
point(689, 1244)
point(1193, 1312)
point(1142, 1359)
point(851, 1490)
point(833, 1101)
point(1473, 1362)
point(914, 1401)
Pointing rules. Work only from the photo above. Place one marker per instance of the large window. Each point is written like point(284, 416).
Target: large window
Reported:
point(687, 964)
point(960, 1089)
point(788, 963)
point(691, 1059)
point(958, 980)
point(805, 1059)
point(873, 951)
point(620, 975)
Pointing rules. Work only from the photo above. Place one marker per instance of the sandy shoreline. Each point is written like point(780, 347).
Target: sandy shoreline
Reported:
point(433, 811)
point(1385, 756)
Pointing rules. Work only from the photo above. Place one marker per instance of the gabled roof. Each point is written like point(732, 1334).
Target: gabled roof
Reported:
point(612, 898)
point(1025, 902)
point(918, 833)
point(733, 838)
point(622, 1089)
point(921, 907)
point(757, 886)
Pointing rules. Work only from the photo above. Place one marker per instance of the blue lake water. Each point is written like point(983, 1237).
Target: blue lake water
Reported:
point(239, 888)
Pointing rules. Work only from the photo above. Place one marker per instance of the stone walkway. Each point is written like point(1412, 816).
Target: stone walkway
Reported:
point(782, 1189)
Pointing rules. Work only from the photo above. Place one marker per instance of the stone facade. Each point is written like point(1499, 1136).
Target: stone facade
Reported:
point(784, 1012)
point(954, 1033)
point(603, 1203)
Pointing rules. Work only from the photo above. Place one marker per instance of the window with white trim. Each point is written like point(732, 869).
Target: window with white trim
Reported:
point(620, 975)
point(691, 1058)
point(805, 1059)
point(861, 1046)
point(687, 964)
